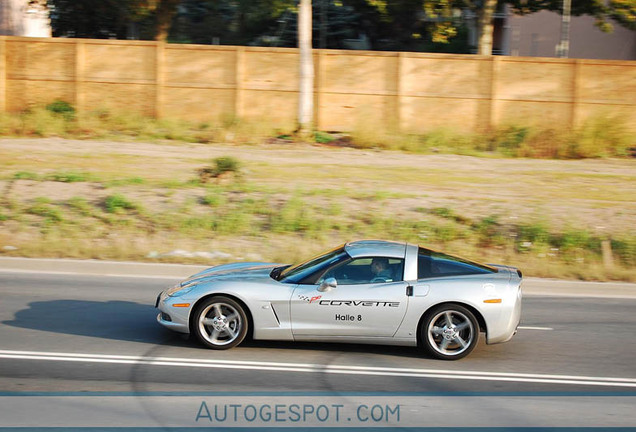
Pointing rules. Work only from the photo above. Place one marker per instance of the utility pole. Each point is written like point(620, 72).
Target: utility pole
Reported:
point(306, 87)
point(563, 48)
point(323, 24)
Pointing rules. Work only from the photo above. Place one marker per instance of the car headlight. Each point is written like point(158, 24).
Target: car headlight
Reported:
point(178, 290)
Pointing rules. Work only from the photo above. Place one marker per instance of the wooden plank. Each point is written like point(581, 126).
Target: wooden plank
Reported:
point(240, 82)
point(398, 100)
point(160, 78)
point(494, 87)
point(576, 91)
point(3, 74)
point(319, 86)
point(80, 62)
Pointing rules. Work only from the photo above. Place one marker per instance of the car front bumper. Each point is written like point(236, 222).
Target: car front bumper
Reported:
point(170, 316)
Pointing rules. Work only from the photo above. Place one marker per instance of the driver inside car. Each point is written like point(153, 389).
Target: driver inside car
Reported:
point(381, 271)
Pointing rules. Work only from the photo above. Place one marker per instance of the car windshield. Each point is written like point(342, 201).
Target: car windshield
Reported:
point(298, 272)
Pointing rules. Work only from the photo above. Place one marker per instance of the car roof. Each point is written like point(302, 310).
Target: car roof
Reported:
point(383, 248)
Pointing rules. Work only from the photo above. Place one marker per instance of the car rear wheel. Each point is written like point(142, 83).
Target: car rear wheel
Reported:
point(449, 332)
point(220, 323)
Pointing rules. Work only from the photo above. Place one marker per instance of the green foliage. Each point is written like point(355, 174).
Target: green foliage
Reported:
point(226, 164)
point(625, 249)
point(293, 216)
point(601, 137)
point(444, 212)
point(534, 233)
point(443, 25)
point(488, 230)
point(213, 200)
point(447, 213)
point(39, 122)
point(221, 165)
point(572, 239)
point(81, 205)
point(62, 108)
point(25, 175)
point(232, 221)
point(42, 207)
point(323, 137)
point(118, 203)
point(100, 19)
point(124, 182)
point(69, 176)
point(447, 232)
point(624, 11)
point(507, 140)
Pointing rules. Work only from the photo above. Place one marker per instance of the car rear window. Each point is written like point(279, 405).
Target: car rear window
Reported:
point(437, 264)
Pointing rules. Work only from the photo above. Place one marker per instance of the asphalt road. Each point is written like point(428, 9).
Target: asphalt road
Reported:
point(84, 333)
point(80, 314)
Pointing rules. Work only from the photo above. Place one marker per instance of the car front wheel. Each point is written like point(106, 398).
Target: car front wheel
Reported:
point(220, 323)
point(449, 332)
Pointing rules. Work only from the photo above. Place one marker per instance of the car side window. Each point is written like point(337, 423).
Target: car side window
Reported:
point(367, 270)
point(436, 264)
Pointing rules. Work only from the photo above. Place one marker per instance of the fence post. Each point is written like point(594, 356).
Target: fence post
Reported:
point(576, 93)
point(608, 259)
point(80, 62)
point(3, 74)
point(399, 92)
point(495, 63)
point(319, 85)
point(160, 78)
point(239, 78)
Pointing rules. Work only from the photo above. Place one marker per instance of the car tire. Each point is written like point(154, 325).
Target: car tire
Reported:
point(220, 323)
point(449, 341)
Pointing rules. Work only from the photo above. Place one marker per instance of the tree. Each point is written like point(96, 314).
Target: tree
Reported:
point(623, 11)
point(164, 10)
point(110, 18)
point(335, 23)
point(24, 18)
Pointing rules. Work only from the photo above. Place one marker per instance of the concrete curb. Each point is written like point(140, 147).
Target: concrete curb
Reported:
point(531, 286)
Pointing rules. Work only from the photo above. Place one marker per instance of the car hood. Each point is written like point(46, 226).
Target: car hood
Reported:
point(242, 271)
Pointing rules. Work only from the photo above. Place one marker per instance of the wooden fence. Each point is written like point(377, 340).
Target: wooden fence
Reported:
point(411, 92)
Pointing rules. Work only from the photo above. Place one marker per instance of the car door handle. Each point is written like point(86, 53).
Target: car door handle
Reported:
point(409, 291)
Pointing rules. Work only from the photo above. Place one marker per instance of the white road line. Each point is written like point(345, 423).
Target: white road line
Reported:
point(535, 328)
point(319, 368)
point(70, 273)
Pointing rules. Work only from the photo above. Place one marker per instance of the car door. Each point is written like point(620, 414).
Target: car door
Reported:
point(359, 305)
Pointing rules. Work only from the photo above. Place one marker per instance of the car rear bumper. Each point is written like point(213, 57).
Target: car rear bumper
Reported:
point(508, 327)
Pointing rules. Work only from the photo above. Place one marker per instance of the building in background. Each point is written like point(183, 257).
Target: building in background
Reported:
point(537, 35)
point(24, 18)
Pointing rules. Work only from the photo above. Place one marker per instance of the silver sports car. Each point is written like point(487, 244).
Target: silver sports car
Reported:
point(368, 291)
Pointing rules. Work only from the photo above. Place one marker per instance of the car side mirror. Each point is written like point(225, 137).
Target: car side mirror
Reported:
point(328, 284)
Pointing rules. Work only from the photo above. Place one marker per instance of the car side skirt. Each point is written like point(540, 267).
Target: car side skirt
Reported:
point(358, 339)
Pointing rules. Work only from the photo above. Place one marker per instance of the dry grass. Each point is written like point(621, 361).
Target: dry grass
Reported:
point(602, 136)
point(106, 200)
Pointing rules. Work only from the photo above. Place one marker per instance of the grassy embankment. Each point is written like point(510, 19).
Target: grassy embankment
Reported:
point(133, 201)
